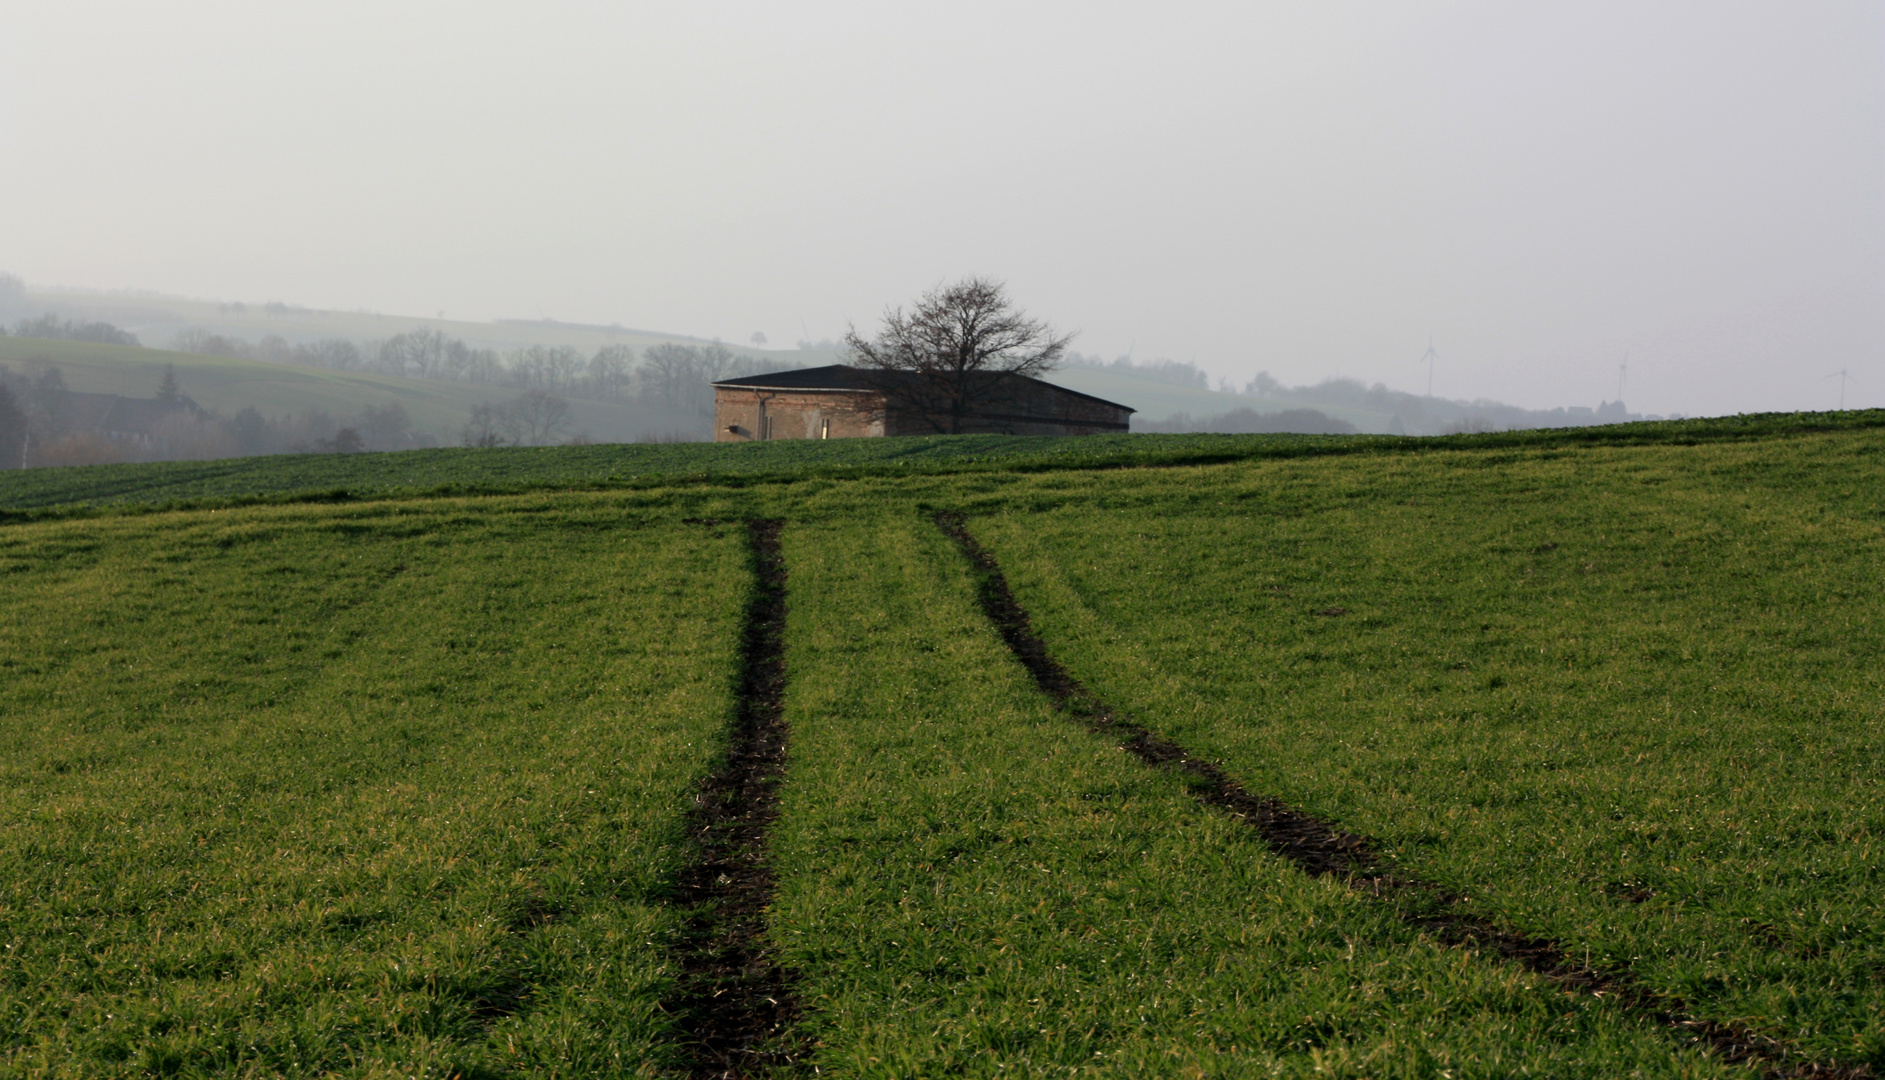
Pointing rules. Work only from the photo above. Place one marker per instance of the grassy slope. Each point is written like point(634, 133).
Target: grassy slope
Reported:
point(1400, 744)
point(228, 385)
point(974, 886)
point(371, 790)
point(1659, 741)
point(455, 471)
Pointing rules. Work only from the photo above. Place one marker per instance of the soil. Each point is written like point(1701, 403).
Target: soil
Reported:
point(1320, 848)
point(736, 1005)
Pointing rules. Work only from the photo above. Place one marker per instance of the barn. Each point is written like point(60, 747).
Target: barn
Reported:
point(840, 402)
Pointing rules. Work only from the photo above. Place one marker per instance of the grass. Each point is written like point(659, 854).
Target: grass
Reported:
point(369, 791)
point(1626, 699)
point(31, 493)
point(973, 885)
point(395, 782)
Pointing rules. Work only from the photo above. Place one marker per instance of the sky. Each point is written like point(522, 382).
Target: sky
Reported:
point(1545, 190)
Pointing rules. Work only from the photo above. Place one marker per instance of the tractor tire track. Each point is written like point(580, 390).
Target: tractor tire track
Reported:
point(1322, 849)
point(736, 1005)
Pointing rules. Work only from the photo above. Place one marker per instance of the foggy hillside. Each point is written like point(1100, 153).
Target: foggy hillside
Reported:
point(93, 378)
point(1176, 396)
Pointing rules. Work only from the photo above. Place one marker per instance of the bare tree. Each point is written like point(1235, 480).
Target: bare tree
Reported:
point(535, 418)
point(415, 352)
point(337, 354)
point(609, 369)
point(963, 349)
point(466, 364)
point(715, 361)
point(562, 364)
point(12, 295)
point(669, 371)
point(530, 366)
point(486, 428)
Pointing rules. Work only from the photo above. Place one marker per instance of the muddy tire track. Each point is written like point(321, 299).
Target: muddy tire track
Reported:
point(735, 1003)
point(1322, 849)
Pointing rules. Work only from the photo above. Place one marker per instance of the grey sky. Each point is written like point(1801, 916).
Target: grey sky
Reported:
point(1308, 188)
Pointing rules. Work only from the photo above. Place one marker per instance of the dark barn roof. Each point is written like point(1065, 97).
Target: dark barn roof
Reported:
point(847, 378)
point(829, 377)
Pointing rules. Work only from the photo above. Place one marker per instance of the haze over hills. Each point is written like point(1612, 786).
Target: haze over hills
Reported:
point(157, 320)
point(410, 381)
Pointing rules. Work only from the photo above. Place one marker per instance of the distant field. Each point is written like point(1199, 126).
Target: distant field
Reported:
point(228, 385)
point(1617, 687)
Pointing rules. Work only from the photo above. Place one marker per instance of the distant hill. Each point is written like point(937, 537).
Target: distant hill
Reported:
point(1172, 396)
point(1157, 399)
point(1168, 394)
point(227, 385)
point(157, 320)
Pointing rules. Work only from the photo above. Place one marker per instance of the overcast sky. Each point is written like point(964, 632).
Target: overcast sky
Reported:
point(1307, 188)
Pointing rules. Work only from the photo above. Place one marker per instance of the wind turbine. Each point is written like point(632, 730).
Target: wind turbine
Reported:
point(1623, 368)
point(1843, 380)
point(1428, 359)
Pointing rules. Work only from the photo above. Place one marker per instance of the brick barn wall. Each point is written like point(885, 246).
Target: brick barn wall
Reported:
point(738, 414)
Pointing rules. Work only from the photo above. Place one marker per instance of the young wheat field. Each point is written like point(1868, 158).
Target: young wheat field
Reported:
point(1488, 757)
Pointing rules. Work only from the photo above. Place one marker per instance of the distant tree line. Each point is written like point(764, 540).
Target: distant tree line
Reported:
point(1418, 414)
point(676, 377)
point(52, 328)
point(1252, 422)
point(1176, 372)
point(43, 422)
point(1310, 406)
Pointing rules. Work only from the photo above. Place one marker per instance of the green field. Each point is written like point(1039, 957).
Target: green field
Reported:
point(1631, 706)
point(974, 886)
point(395, 789)
point(398, 781)
point(28, 493)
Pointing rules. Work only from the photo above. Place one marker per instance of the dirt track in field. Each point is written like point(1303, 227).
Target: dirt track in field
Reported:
point(1320, 848)
point(735, 1004)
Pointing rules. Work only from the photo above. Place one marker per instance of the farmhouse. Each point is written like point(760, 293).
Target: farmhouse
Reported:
point(138, 421)
point(840, 401)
